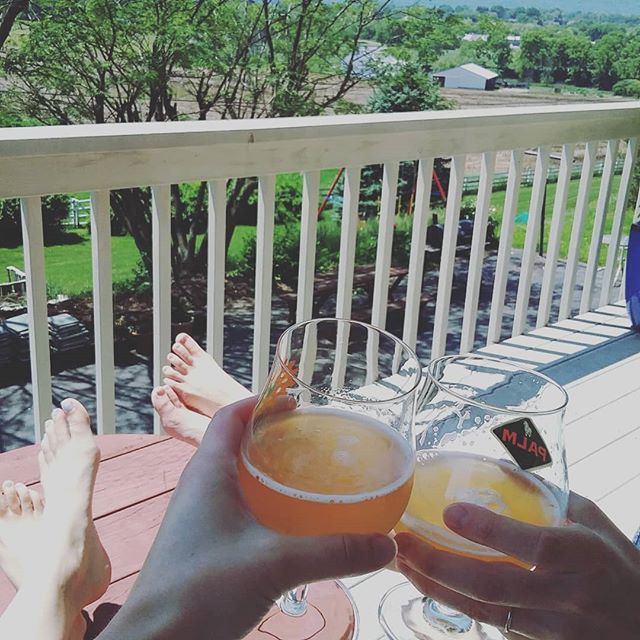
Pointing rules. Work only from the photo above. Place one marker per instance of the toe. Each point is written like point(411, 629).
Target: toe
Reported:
point(50, 434)
point(159, 398)
point(60, 426)
point(11, 496)
point(189, 343)
point(173, 397)
point(45, 456)
point(182, 352)
point(37, 501)
point(26, 504)
point(171, 373)
point(77, 418)
point(178, 364)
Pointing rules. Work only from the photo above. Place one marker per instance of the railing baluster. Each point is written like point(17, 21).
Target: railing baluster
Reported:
point(308, 235)
point(476, 259)
point(383, 264)
point(448, 256)
point(161, 260)
point(533, 229)
point(557, 225)
point(32, 241)
point(216, 267)
point(604, 195)
point(418, 246)
point(577, 230)
point(504, 248)
point(348, 235)
point(606, 292)
point(103, 311)
point(264, 275)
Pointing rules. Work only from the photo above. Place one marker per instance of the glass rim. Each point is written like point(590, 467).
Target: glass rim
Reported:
point(485, 405)
point(383, 332)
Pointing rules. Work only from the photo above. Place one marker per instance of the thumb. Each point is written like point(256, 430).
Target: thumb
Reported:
point(313, 558)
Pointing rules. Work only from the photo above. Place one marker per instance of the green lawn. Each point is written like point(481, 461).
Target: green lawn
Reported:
point(68, 266)
point(524, 200)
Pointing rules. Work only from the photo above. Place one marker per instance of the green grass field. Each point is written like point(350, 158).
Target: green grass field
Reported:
point(68, 266)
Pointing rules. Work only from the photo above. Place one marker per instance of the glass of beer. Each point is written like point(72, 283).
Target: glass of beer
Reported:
point(331, 450)
point(489, 432)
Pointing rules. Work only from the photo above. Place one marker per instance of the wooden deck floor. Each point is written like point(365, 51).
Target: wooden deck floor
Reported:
point(138, 473)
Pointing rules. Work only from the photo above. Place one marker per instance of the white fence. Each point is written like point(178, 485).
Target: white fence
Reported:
point(98, 158)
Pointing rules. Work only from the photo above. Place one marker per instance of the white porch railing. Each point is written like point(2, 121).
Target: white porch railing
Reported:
point(99, 158)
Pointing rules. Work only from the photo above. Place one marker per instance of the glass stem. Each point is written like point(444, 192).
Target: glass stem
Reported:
point(294, 602)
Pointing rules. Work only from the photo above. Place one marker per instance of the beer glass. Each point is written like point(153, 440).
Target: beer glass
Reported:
point(330, 449)
point(492, 435)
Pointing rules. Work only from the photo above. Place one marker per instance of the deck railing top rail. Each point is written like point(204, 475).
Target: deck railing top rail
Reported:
point(59, 159)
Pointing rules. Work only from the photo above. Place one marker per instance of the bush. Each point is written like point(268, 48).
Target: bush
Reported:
point(286, 248)
point(628, 88)
point(55, 210)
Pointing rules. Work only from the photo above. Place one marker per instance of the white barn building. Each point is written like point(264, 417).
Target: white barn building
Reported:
point(467, 76)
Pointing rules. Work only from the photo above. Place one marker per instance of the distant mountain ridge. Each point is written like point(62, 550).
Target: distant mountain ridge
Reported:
point(622, 7)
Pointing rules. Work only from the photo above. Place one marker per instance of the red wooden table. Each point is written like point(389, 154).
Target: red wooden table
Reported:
point(136, 477)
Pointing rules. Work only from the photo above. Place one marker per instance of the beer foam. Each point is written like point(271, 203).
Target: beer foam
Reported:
point(343, 457)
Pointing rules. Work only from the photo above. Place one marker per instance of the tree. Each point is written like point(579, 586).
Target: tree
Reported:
point(9, 12)
point(495, 51)
point(404, 88)
point(536, 54)
point(606, 53)
point(104, 61)
point(427, 33)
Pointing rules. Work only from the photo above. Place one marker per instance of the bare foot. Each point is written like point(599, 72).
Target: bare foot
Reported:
point(178, 421)
point(68, 466)
point(202, 384)
point(20, 528)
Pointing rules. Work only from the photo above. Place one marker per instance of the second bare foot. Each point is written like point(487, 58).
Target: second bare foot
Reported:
point(202, 384)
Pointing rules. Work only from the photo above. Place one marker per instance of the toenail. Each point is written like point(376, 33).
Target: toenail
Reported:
point(68, 405)
point(56, 413)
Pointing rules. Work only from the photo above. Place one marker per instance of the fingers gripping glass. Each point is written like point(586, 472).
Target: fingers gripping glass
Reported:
point(488, 432)
point(331, 447)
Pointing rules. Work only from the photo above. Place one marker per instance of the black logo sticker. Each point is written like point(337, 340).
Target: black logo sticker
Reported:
point(522, 440)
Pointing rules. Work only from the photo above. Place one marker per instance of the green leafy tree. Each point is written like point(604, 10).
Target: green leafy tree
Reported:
point(606, 52)
point(537, 54)
point(136, 61)
point(10, 11)
point(495, 51)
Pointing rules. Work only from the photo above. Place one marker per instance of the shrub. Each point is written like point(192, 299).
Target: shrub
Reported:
point(55, 210)
point(629, 88)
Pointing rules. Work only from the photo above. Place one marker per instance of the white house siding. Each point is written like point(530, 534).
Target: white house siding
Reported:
point(460, 78)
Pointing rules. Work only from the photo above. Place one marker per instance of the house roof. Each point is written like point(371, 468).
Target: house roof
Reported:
point(476, 69)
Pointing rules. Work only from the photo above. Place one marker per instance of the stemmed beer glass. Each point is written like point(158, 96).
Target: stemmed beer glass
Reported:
point(492, 435)
point(330, 450)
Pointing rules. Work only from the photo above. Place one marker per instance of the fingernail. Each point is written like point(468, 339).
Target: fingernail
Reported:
point(68, 405)
point(56, 413)
point(383, 549)
point(456, 516)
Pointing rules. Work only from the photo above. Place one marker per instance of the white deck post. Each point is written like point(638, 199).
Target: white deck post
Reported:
point(32, 241)
point(103, 311)
point(308, 236)
point(476, 259)
point(216, 267)
point(577, 230)
point(606, 291)
point(448, 256)
point(264, 276)
point(348, 236)
point(504, 247)
point(418, 247)
point(161, 266)
point(533, 230)
point(555, 237)
point(604, 196)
